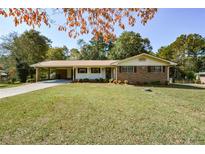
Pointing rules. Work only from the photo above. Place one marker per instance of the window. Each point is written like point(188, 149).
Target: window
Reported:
point(155, 69)
point(95, 70)
point(82, 70)
point(128, 69)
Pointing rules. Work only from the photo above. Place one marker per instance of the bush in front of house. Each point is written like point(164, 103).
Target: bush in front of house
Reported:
point(155, 83)
point(86, 80)
point(119, 81)
point(111, 80)
point(125, 82)
point(97, 80)
point(101, 80)
point(31, 80)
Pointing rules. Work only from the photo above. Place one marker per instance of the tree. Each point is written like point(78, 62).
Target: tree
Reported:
point(12, 74)
point(81, 43)
point(22, 70)
point(95, 49)
point(79, 21)
point(26, 49)
point(56, 54)
point(188, 51)
point(31, 47)
point(9, 64)
point(74, 54)
point(129, 44)
point(166, 52)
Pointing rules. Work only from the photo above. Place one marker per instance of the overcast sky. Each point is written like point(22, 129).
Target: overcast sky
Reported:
point(161, 30)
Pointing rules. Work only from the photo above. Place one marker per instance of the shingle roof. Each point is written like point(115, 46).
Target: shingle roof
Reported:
point(71, 63)
point(148, 55)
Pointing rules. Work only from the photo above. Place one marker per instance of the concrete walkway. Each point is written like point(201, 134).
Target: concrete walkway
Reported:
point(6, 92)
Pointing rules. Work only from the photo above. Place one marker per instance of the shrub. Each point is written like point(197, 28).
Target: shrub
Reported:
point(9, 82)
point(111, 80)
point(92, 81)
point(155, 83)
point(115, 81)
point(101, 80)
point(13, 80)
point(96, 80)
point(30, 80)
point(125, 82)
point(166, 83)
point(86, 80)
point(190, 75)
point(145, 83)
point(138, 83)
point(105, 80)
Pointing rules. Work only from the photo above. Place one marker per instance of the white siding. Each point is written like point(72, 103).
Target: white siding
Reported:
point(90, 75)
point(145, 61)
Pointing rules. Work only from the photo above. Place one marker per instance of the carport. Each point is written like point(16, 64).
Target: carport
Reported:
point(55, 73)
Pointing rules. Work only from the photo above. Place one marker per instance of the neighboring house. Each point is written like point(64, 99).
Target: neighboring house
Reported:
point(1, 67)
point(201, 76)
point(3, 75)
point(137, 69)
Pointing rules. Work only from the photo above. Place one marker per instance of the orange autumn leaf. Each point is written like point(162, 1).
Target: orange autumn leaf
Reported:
point(122, 26)
point(80, 21)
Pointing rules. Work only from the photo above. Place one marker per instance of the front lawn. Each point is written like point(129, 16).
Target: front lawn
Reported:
point(104, 114)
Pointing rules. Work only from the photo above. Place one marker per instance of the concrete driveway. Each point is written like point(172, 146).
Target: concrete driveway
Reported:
point(6, 92)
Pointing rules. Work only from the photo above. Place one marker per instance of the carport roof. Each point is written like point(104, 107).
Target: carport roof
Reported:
point(73, 63)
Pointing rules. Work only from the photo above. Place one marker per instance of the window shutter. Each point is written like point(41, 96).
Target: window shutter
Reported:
point(149, 69)
point(163, 68)
point(135, 69)
point(120, 69)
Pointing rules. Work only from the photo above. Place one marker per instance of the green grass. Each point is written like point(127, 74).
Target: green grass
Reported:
point(104, 114)
point(9, 85)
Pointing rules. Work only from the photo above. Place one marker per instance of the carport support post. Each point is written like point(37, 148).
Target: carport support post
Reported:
point(168, 74)
point(49, 72)
point(37, 74)
point(73, 73)
point(116, 73)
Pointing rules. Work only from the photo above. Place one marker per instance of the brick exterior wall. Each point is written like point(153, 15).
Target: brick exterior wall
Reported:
point(142, 76)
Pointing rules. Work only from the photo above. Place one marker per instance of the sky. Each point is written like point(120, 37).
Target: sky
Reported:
point(162, 30)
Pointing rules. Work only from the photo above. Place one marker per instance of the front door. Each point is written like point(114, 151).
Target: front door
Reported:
point(108, 73)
